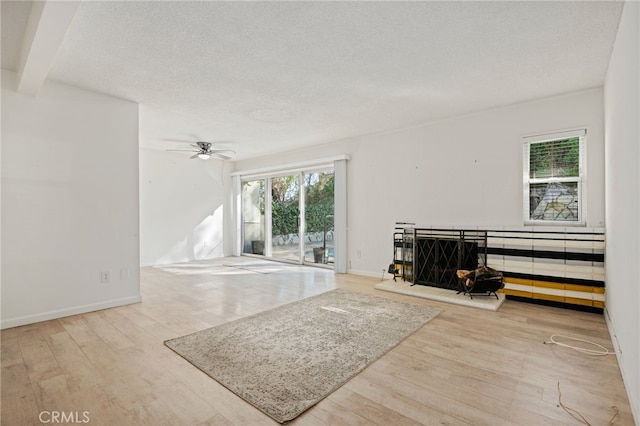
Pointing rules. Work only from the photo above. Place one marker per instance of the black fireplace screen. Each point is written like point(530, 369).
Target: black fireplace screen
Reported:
point(438, 254)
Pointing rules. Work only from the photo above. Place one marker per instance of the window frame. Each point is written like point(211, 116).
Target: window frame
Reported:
point(580, 180)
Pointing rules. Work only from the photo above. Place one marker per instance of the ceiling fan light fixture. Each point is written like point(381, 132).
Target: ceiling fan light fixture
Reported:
point(204, 156)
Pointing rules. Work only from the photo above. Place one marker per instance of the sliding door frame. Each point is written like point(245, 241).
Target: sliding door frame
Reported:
point(339, 166)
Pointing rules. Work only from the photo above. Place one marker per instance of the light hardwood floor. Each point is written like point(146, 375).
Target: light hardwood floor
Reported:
point(467, 366)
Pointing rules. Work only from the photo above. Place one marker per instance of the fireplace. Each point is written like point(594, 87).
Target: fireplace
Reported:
point(439, 254)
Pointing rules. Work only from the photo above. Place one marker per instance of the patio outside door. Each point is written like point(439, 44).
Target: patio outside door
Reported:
point(296, 214)
point(286, 218)
point(253, 217)
point(318, 213)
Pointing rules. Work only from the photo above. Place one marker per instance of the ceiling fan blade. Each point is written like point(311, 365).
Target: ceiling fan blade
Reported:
point(218, 151)
point(195, 155)
point(181, 150)
point(222, 156)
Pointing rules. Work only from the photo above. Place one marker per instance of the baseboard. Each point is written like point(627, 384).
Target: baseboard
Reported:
point(370, 274)
point(633, 399)
point(75, 310)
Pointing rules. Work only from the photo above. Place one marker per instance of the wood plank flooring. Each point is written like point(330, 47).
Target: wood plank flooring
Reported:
point(465, 367)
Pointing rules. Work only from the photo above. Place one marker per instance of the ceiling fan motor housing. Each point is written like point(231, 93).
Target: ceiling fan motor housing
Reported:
point(204, 146)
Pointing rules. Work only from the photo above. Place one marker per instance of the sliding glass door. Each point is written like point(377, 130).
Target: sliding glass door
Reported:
point(253, 216)
point(290, 217)
point(318, 214)
point(285, 218)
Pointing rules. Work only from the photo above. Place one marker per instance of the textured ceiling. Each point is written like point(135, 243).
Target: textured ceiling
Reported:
point(273, 76)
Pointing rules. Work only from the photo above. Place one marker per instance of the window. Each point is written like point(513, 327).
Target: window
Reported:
point(554, 178)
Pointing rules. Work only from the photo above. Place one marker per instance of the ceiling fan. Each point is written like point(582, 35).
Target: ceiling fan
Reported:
point(203, 151)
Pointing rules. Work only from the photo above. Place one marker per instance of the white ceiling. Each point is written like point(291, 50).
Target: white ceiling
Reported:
point(272, 76)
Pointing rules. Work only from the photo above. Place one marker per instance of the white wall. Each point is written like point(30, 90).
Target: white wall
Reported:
point(184, 208)
point(622, 143)
point(465, 171)
point(69, 202)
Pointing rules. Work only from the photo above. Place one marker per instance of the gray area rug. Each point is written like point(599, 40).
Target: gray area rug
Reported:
point(285, 360)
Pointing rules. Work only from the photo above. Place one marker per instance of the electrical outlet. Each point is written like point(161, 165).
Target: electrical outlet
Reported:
point(358, 254)
point(105, 276)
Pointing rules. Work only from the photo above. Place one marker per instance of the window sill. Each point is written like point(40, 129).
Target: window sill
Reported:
point(552, 223)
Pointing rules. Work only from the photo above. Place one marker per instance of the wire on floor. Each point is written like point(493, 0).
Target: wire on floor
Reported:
point(596, 352)
point(576, 414)
point(573, 413)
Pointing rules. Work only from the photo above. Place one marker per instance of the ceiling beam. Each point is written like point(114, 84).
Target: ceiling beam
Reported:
point(46, 29)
